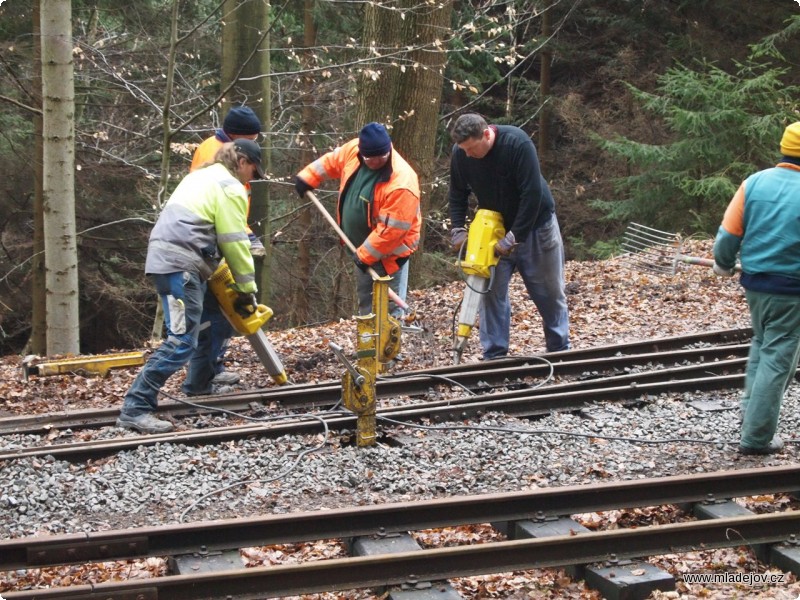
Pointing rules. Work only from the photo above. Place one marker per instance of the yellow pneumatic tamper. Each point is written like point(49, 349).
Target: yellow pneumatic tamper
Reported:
point(478, 265)
point(221, 283)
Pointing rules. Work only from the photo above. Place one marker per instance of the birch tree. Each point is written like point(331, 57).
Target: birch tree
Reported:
point(37, 343)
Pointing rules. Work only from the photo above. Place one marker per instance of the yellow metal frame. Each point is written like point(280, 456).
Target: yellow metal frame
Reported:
point(91, 365)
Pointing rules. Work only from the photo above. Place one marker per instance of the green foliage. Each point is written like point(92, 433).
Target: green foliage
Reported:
point(17, 133)
point(768, 47)
point(435, 268)
point(581, 250)
point(721, 127)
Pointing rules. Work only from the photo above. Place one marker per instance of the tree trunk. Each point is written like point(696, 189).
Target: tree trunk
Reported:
point(58, 192)
point(37, 344)
point(420, 97)
point(163, 189)
point(300, 304)
point(410, 97)
point(377, 90)
point(245, 55)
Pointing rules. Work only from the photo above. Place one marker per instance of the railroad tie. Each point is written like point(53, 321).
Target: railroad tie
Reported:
point(712, 508)
point(615, 580)
point(390, 543)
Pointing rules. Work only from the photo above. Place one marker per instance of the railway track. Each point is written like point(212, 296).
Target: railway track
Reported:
point(504, 510)
point(520, 387)
point(703, 348)
point(610, 373)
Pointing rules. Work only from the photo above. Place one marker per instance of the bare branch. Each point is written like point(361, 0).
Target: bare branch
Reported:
point(33, 109)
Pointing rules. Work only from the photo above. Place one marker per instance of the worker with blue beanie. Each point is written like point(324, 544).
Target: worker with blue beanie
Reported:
point(378, 208)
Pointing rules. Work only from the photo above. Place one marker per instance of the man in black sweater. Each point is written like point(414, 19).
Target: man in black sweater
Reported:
point(498, 163)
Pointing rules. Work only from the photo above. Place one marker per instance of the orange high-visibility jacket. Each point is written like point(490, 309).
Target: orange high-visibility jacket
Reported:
point(205, 152)
point(394, 215)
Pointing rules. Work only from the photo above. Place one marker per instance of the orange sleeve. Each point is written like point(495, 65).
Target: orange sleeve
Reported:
point(331, 165)
point(733, 221)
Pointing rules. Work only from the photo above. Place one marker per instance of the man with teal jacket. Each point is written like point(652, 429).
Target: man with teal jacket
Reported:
point(204, 220)
point(762, 225)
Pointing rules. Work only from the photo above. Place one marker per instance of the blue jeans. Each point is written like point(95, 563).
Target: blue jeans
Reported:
point(398, 284)
point(540, 262)
point(212, 342)
point(774, 351)
point(182, 298)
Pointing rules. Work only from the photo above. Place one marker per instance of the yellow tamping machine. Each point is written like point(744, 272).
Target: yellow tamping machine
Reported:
point(478, 265)
point(221, 283)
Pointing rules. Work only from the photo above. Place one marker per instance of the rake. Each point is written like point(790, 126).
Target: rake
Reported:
point(648, 249)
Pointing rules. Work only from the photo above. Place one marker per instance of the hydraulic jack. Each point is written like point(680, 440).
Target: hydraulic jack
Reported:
point(378, 343)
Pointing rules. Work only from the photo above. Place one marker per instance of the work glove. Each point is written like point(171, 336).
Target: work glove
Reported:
point(302, 187)
point(256, 247)
point(458, 235)
point(245, 304)
point(360, 264)
point(721, 271)
point(506, 246)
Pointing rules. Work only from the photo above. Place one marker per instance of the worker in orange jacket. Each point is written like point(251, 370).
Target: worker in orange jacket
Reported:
point(240, 123)
point(378, 207)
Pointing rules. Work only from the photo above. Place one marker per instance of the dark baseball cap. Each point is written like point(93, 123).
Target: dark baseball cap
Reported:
point(252, 152)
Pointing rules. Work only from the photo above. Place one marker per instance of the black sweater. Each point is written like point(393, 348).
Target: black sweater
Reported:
point(506, 180)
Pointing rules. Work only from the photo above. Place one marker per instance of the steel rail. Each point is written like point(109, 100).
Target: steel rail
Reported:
point(441, 563)
point(519, 403)
point(537, 504)
point(327, 394)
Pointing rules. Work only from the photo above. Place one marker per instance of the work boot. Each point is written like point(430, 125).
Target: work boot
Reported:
point(214, 391)
point(146, 423)
point(226, 378)
point(775, 445)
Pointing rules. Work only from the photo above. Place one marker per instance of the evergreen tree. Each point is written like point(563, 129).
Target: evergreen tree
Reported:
point(722, 127)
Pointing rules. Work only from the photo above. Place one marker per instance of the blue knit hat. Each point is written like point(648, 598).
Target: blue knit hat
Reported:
point(374, 140)
point(241, 120)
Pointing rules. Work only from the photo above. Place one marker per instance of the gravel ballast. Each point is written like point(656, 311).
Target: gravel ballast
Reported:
point(160, 484)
